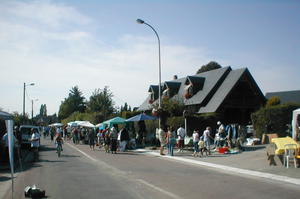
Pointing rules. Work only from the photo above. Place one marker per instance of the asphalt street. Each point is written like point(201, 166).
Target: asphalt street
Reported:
point(82, 173)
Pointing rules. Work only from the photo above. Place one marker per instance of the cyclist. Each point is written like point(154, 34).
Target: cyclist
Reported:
point(59, 141)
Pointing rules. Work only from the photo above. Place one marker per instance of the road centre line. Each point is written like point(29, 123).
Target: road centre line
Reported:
point(216, 166)
point(138, 180)
point(159, 189)
point(88, 156)
point(258, 174)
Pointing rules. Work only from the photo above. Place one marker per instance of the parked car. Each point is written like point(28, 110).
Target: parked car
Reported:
point(25, 134)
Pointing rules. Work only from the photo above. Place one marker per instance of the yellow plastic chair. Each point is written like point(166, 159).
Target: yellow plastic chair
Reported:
point(290, 152)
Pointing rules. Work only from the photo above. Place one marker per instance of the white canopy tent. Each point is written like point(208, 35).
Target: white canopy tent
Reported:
point(295, 125)
point(56, 124)
point(86, 124)
point(81, 123)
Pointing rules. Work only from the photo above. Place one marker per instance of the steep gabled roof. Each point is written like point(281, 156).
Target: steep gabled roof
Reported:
point(213, 79)
point(145, 105)
point(211, 88)
point(225, 89)
point(286, 96)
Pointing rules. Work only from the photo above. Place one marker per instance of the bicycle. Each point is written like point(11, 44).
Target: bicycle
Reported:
point(59, 149)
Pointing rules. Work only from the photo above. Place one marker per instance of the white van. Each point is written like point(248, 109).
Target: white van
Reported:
point(25, 132)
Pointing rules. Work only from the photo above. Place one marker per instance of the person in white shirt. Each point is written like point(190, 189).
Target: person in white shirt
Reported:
point(181, 135)
point(162, 139)
point(221, 129)
point(195, 143)
point(35, 143)
point(207, 137)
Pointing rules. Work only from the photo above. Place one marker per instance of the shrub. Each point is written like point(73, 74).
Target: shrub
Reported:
point(273, 119)
point(175, 122)
point(273, 101)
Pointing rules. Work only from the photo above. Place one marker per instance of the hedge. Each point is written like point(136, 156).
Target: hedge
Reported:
point(273, 119)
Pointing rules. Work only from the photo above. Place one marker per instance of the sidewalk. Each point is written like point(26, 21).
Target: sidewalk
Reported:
point(252, 162)
point(5, 173)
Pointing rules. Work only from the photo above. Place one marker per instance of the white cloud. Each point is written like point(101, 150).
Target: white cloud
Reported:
point(43, 13)
point(36, 47)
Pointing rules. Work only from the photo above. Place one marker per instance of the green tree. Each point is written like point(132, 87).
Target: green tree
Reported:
point(101, 101)
point(210, 66)
point(74, 102)
point(18, 118)
point(43, 110)
point(126, 107)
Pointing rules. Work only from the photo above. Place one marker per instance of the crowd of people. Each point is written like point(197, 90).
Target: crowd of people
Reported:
point(113, 140)
point(203, 143)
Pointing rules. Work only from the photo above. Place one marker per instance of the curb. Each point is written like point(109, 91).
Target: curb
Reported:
point(232, 170)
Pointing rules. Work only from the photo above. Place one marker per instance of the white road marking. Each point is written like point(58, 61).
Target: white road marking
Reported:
point(88, 156)
point(231, 169)
point(138, 180)
point(159, 189)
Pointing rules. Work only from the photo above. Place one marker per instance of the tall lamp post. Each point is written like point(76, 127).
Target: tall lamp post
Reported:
point(32, 107)
point(140, 21)
point(24, 90)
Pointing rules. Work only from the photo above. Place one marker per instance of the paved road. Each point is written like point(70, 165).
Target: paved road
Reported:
point(82, 173)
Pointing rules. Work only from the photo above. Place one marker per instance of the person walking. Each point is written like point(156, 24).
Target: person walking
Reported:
point(106, 139)
point(75, 136)
point(99, 138)
point(171, 140)
point(52, 133)
point(124, 138)
point(181, 136)
point(195, 143)
point(91, 139)
point(202, 147)
point(206, 138)
point(162, 140)
point(113, 140)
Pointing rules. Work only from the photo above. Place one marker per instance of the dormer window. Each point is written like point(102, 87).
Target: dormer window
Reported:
point(170, 89)
point(151, 98)
point(166, 93)
point(153, 93)
point(188, 91)
point(194, 84)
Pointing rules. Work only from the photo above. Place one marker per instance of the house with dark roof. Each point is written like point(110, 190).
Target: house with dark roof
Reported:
point(286, 96)
point(233, 94)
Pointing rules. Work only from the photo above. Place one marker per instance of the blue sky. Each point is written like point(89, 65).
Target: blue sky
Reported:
point(92, 44)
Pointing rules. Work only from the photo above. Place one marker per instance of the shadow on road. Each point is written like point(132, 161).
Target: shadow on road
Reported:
point(46, 148)
point(70, 156)
point(254, 148)
point(4, 178)
point(51, 161)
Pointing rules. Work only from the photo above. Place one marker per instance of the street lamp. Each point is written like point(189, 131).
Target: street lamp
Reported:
point(31, 84)
point(32, 107)
point(140, 21)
